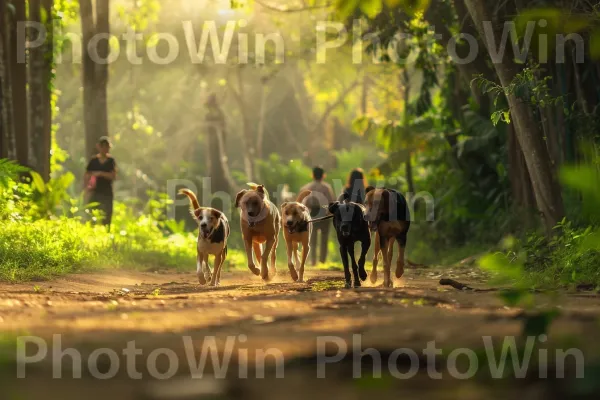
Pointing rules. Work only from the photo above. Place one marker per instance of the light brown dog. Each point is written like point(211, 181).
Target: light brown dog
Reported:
point(297, 230)
point(212, 239)
point(389, 217)
point(260, 223)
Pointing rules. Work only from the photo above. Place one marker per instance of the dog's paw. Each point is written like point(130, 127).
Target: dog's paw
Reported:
point(357, 284)
point(201, 279)
point(265, 275)
point(348, 285)
point(362, 274)
point(293, 272)
point(373, 277)
point(399, 272)
point(253, 269)
point(388, 284)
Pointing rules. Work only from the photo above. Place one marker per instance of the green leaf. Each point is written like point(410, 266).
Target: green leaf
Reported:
point(371, 8)
point(346, 8)
point(583, 178)
point(38, 182)
point(496, 117)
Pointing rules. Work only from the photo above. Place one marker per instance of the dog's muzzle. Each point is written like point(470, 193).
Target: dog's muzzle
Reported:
point(206, 234)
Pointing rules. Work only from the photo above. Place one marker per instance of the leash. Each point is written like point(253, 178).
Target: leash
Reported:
point(322, 218)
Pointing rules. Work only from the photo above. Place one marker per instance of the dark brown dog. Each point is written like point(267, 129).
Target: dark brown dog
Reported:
point(260, 223)
point(389, 217)
point(297, 230)
point(212, 239)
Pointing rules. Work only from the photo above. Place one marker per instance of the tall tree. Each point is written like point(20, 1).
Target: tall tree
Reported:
point(40, 80)
point(545, 186)
point(18, 73)
point(8, 146)
point(94, 70)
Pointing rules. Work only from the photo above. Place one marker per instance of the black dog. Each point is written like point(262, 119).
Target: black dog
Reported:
point(351, 227)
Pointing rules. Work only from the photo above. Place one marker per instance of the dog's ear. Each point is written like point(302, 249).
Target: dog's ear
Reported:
point(260, 189)
point(284, 205)
point(369, 188)
point(216, 213)
point(239, 197)
point(333, 207)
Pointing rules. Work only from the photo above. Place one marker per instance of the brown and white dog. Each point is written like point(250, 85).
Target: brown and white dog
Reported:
point(260, 223)
point(297, 230)
point(389, 217)
point(212, 239)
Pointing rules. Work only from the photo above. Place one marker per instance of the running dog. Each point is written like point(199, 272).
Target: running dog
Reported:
point(212, 239)
point(389, 217)
point(297, 229)
point(351, 226)
point(260, 223)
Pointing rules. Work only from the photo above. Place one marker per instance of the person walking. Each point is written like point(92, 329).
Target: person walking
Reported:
point(355, 187)
point(99, 176)
point(322, 194)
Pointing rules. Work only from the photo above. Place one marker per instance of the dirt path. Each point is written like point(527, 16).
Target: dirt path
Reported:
point(156, 310)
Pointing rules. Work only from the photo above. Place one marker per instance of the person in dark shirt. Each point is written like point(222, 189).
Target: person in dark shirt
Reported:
point(100, 174)
point(355, 187)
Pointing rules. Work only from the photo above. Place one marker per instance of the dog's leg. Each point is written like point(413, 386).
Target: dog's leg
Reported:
point(354, 266)
point(296, 255)
point(273, 269)
point(400, 262)
point(289, 246)
point(251, 266)
point(199, 269)
point(207, 271)
point(264, 262)
point(305, 251)
point(344, 255)
point(387, 250)
point(257, 251)
point(217, 269)
point(375, 258)
point(364, 248)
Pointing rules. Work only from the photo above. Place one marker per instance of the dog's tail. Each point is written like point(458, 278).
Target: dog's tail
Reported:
point(193, 199)
point(303, 194)
point(259, 188)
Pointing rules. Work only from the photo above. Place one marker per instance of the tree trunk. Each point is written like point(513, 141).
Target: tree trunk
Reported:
point(101, 67)
point(522, 192)
point(40, 75)
point(260, 134)
point(216, 158)
point(8, 145)
point(88, 28)
point(545, 187)
point(18, 72)
point(405, 122)
point(247, 139)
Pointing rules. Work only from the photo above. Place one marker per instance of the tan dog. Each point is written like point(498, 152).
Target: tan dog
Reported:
point(297, 230)
point(389, 217)
point(260, 223)
point(212, 239)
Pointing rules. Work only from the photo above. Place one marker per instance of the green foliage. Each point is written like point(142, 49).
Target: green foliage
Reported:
point(37, 243)
point(275, 172)
point(526, 86)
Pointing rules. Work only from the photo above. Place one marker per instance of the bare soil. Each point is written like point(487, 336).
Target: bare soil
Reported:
point(156, 310)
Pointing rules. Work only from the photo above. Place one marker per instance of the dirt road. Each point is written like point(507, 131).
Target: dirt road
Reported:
point(157, 310)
